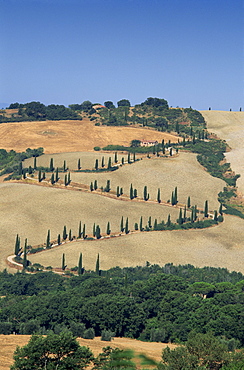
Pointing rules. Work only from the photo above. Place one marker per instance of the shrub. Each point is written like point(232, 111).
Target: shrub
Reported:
point(97, 148)
point(89, 333)
point(107, 335)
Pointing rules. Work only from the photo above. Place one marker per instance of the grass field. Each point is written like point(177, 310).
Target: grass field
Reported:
point(230, 127)
point(152, 350)
point(165, 173)
point(72, 136)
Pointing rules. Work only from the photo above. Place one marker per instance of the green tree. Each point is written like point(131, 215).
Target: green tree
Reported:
point(128, 158)
point(95, 184)
point(131, 192)
point(17, 245)
point(108, 228)
point(168, 221)
point(70, 235)
point(34, 164)
point(80, 268)
point(123, 103)
point(91, 186)
point(109, 104)
point(25, 262)
point(98, 232)
point(127, 226)
point(84, 231)
point(117, 191)
point(109, 163)
point(94, 230)
point(206, 209)
point(51, 167)
point(63, 262)
point(79, 165)
point(135, 193)
point(52, 179)
point(65, 180)
point(96, 164)
point(102, 165)
point(115, 157)
point(59, 239)
point(145, 194)
point(65, 233)
point(64, 167)
point(48, 244)
point(180, 219)
point(189, 202)
point(79, 230)
point(158, 196)
point(52, 352)
point(122, 224)
point(141, 227)
point(135, 143)
point(56, 177)
point(97, 269)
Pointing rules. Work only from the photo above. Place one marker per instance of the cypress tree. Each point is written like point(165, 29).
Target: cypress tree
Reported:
point(95, 184)
point(79, 231)
point(122, 224)
point(136, 226)
point(94, 230)
point(24, 174)
point(84, 231)
point(52, 179)
point(184, 217)
point(98, 232)
point(206, 209)
point(56, 177)
point(30, 170)
point(108, 229)
point(171, 151)
point(131, 192)
point(69, 179)
point(39, 176)
point(65, 233)
point(168, 221)
point(141, 227)
point(65, 180)
point(121, 191)
point(51, 168)
point(17, 245)
point(221, 209)
point(134, 156)
point(215, 215)
point(176, 195)
point(189, 202)
point(98, 265)
point(103, 162)
point(109, 163)
point(70, 234)
point(155, 224)
point(91, 186)
point(117, 191)
point(145, 195)
point(64, 167)
point(127, 226)
point(25, 257)
point(63, 262)
point(43, 175)
point(34, 164)
point(123, 161)
point(59, 239)
point(80, 268)
point(135, 193)
point(172, 199)
point(107, 188)
point(158, 196)
point(180, 220)
point(115, 157)
point(150, 222)
point(48, 245)
point(79, 166)
point(96, 164)
point(128, 158)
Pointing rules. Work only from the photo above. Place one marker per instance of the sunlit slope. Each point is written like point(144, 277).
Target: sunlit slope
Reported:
point(71, 136)
point(229, 126)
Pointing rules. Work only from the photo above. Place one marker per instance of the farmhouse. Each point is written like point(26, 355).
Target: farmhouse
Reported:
point(149, 142)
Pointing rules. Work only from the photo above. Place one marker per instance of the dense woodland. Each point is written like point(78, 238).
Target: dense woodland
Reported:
point(149, 303)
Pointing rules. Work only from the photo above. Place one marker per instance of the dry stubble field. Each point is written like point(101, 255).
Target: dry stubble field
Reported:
point(152, 350)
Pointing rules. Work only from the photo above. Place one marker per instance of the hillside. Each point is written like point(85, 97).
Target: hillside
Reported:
point(229, 126)
point(72, 136)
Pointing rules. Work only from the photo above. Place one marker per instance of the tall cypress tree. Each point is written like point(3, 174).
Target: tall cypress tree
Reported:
point(63, 262)
point(48, 245)
point(91, 186)
point(98, 232)
point(134, 156)
point(96, 164)
point(121, 191)
point(25, 257)
point(108, 228)
point(131, 192)
point(158, 196)
point(79, 166)
point(141, 227)
point(176, 195)
point(145, 195)
point(80, 268)
point(115, 157)
point(150, 222)
point(97, 269)
point(180, 219)
point(122, 224)
point(65, 233)
point(168, 221)
point(155, 224)
point(84, 231)
point(135, 193)
point(39, 176)
point(123, 160)
point(109, 163)
point(221, 209)
point(70, 234)
point(189, 202)
point(95, 184)
point(69, 179)
point(184, 217)
point(52, 179)
point(94, 230)
point(206, 209)
point(17, 245)
point(34, 164)
point(51, 167)
point(64, 167)
point(65, 180)
point(127, 226)
point(128, 158)
point(59, 239)
point(79, 231)
point(117, 191)
point(20, 168)
point(102, 162)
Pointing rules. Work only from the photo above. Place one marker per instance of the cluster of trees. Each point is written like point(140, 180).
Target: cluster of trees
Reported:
point(36, 111)
point(150, 303)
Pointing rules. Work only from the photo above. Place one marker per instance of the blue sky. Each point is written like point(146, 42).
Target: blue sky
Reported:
point(189, 52)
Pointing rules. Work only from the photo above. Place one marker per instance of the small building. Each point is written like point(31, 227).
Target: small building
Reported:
point(149, 142)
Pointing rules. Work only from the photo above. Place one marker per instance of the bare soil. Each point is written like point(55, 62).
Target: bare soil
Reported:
point(8, 344)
